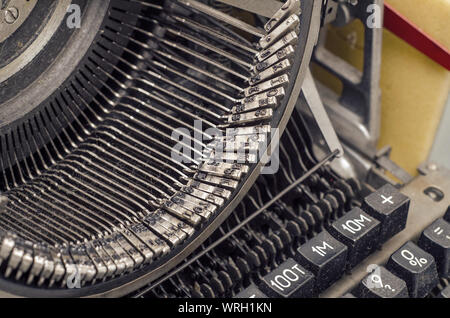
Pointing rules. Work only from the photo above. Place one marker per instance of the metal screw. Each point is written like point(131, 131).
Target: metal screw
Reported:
point(11, 15)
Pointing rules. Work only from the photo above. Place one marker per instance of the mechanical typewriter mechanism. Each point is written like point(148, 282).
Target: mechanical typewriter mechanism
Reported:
point(185, 148)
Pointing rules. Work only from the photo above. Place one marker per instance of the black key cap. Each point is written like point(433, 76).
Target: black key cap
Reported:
point(251, 292)
point(359, 231)
point(289, 280)
point(416, 267)
point(325, 257)
point(381, 284)
point(436, 241)
point(445, 293)
point(447, 214)
point(390, 207)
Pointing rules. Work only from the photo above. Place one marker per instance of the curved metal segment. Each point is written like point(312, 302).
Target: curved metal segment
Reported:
point(175, 243)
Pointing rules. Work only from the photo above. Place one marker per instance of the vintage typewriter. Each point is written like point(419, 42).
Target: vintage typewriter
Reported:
point(184, 149)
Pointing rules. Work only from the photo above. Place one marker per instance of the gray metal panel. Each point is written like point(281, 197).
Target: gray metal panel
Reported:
point(266, 8)
point(440, 153)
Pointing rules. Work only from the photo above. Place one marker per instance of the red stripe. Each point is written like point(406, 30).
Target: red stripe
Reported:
point(410, 33)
